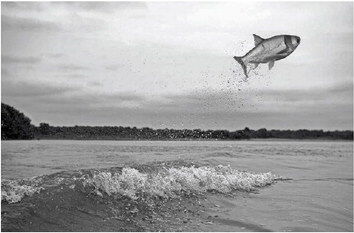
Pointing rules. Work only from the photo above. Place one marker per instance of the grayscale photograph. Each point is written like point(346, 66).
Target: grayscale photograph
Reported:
point(176, 116)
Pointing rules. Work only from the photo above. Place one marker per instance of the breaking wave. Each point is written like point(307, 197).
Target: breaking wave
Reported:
point(135, 183)
point(171, 182)
point(14, 191)
point(152, 197)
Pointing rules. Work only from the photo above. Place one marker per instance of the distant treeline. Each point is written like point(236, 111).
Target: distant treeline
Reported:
point(15, 125)
point(133, 133)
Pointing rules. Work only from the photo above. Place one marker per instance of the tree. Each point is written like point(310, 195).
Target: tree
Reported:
point(262, 133)
point(44, 128)
point(14, 124)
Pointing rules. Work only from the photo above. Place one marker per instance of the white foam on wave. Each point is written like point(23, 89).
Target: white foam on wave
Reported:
point(166, 182)
point(170, 182)
point(13, 191)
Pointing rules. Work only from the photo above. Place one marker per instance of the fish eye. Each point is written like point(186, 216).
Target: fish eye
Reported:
point(298, 40)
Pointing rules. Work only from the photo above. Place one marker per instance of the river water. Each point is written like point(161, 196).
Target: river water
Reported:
point(269, 185)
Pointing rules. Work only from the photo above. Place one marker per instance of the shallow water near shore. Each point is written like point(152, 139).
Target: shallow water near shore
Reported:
point(177, 185)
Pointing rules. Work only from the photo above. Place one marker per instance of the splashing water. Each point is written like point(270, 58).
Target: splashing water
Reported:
point(164, 182)
point(171, 182)
point(13, 191)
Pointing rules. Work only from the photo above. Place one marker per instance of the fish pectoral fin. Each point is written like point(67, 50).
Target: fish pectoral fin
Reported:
point(282, 51)
point(270, 65)
point(257, 39)
point(254, 65)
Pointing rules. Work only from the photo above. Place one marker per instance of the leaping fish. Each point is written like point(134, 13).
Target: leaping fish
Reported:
point(268, 51)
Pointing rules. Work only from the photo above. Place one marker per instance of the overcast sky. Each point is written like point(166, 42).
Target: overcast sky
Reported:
point(170, 64)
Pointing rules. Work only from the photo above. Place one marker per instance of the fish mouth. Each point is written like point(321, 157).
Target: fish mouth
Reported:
point(298, 39)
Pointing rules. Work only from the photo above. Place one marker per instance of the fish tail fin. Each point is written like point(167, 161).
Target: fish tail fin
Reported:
point(244, 67)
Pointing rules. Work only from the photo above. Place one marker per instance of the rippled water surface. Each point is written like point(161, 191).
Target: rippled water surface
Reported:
point(177, 185)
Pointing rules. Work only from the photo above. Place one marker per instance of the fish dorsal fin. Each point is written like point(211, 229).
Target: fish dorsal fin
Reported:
point(257, 39)
point(270, 64)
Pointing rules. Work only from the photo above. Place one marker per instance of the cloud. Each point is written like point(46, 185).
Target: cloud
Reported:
point(319, 95)
point(4, 72)
point(65, 98)
point(27, 24)
point(7, 59)
point(114, 67)
point(206, 109)
point(126, 60)
point(71, 67)
point(95, 99)
point(314, 108)
point(54, 55)
point(105, 7)
point(72, 76)
point(31, 90)
point(24, 6)
point(91, 6)
point(346, 87)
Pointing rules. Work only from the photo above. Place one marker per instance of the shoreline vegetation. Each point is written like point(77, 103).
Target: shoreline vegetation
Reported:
point(15, 125)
